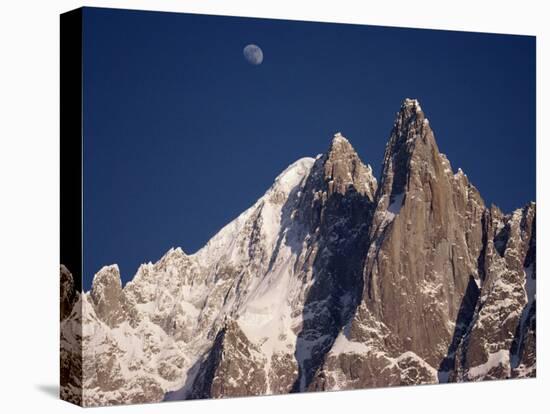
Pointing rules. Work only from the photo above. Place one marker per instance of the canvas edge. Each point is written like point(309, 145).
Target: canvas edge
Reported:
point(70, 127)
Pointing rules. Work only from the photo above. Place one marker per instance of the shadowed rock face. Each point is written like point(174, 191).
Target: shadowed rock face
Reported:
point(330, 281)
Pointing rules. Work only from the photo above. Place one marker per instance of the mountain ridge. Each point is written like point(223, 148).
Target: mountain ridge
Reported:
point(331, 280)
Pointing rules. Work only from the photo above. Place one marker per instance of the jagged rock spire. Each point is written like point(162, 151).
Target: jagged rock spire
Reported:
point(344, 170)
point(426, 234)
point(411, 141)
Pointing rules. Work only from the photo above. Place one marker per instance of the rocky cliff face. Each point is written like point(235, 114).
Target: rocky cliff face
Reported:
point(329, 281)
point(437, 291)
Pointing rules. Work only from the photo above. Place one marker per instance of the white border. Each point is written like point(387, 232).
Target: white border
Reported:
point(29, 202)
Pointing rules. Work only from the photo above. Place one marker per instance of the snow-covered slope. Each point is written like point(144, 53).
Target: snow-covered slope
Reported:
point(329, 281)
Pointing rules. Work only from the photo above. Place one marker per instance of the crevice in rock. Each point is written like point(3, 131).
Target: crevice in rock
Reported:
point(464, 319)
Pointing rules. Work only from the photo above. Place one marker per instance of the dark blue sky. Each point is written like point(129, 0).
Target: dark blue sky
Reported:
point(181, 134)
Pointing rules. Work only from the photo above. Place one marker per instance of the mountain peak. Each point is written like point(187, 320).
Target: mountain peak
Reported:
point(340, 145)
point(412, 104)
point(409, 113)
point(338, 138)
point(411, 147)
point(106, 294)
point(289, 179)
point(344, 169)
point(108, 276)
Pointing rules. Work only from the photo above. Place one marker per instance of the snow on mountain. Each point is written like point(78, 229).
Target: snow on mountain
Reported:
point(331, 280)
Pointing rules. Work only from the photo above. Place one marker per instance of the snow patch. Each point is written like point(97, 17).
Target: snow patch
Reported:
point(499, 358)
point(342, 345)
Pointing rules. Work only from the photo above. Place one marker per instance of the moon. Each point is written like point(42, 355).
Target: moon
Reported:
point(253, 54)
